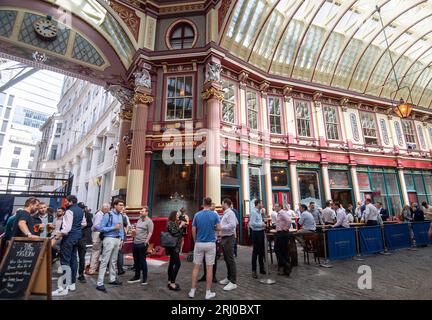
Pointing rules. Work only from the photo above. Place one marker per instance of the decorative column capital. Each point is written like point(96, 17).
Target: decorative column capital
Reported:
point(126, 114)
point(264, 86)
point(287, 93)
point(140, 98)
point(212, 93)
point(242, 77)
point(344, 104)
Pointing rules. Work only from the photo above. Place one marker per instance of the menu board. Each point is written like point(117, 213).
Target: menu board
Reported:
point(21, 268)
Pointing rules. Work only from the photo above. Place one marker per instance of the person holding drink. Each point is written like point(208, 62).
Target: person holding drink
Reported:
point(141, 232)
point(43, 221)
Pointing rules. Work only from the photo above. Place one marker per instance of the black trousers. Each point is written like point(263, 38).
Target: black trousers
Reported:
point(81, 255)
point(139, 252)
point(258, 250)
point(174, 265)
point(281, 249)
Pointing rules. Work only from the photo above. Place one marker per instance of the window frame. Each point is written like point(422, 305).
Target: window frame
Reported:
point(165, 96)
point(235, 89)
point(338, 123)
point(414, 133)
point(374, 118)
point(311, 122)
point(257, 111)
point(173, 27)
point(281, 115)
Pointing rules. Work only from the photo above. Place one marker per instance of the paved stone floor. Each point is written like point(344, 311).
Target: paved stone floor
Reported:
point(405, 274)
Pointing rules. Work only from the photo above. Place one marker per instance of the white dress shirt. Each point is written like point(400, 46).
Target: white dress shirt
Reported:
point(228, 223)
point(371, 213)
point(97, 219)
point(68, 220)
point(341, 218)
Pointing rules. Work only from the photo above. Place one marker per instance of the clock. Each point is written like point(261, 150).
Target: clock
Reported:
point(45, 29)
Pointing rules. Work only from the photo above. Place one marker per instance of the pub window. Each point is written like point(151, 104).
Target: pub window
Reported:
point(303, 119)
point(182, 36)
point(369, 128)
point(279, 176)
point(331, 122)
point(179, 98)
point(229, 173)
point(228, 102)
point(309, 187)
point(409, 133)
point(252, 106)
point(275, 115)
point(175, 186)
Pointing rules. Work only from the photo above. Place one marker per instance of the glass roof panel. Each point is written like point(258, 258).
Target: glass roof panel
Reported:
point(336, 42)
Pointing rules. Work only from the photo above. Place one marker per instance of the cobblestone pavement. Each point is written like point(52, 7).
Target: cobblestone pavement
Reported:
point(405, 274)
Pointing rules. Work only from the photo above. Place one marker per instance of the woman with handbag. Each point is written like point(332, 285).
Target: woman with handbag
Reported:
point(141, 234)
point(174, 228)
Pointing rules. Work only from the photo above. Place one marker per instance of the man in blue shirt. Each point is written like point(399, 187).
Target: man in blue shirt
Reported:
point(112, 229)
point(257, 226)
point(204, 226)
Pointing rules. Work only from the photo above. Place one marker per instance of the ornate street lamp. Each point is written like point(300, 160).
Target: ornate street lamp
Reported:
point(403, 109)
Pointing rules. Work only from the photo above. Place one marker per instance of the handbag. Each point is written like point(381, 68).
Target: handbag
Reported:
point(167, 240)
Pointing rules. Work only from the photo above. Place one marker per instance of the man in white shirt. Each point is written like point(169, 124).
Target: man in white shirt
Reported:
point(328, 214)
point(342, 219)
point(228, 233)
point(371, 214)
point(97, 243)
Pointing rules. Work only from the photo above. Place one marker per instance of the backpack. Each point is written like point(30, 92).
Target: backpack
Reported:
point(110, 221)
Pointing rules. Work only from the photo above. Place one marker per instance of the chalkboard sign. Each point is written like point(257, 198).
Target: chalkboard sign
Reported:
point(26, 269)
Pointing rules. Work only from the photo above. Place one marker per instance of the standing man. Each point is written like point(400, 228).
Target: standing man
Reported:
point(205, 224)
point(283, 223)
point(257, 226)
point(43, 219)
point(315, 213)
point(328, 214)
point(113, 232)
point(70, 233)
point(82, 244)
point(228, 232)
point(371, 214)
point(96, 241)
point(23, 224)
point(382, 211)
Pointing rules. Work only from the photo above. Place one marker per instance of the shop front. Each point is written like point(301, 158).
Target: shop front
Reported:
point(310, 184)
point(340, 184)
point(381, 185)
point(419, 185)
point(174, 186)
point(280, 183)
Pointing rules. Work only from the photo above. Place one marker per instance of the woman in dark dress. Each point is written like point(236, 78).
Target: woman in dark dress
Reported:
point(175, 229)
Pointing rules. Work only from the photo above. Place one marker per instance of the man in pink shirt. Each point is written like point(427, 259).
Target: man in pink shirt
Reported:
point(283, 223)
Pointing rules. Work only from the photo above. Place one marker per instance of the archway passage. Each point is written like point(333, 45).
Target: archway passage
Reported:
point(81, 38)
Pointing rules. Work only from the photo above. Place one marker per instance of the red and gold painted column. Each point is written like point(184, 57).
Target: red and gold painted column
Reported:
point(212, 97)
point(141, 102)
point(120, 181)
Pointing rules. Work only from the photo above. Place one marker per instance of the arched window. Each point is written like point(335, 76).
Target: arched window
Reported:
point(182, 36)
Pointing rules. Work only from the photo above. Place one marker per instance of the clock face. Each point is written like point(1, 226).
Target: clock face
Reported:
point(45, 28)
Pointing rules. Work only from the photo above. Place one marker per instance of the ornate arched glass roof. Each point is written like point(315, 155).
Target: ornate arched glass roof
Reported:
point(338, 43)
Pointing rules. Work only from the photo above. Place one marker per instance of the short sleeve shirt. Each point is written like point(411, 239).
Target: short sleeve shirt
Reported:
point(22, 215)
point(205, 222)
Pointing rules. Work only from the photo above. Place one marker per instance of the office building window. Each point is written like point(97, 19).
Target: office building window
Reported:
point(4, 126)
point(252, 106)
point(369, 128)
point(228, 102)
point(17, 151)
point(7, 113)
point(14, 163)
point(179, 98)
point(275, 114)
point(303, 119)
point(409, 133)
point(331, 122)
point(10, 100)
